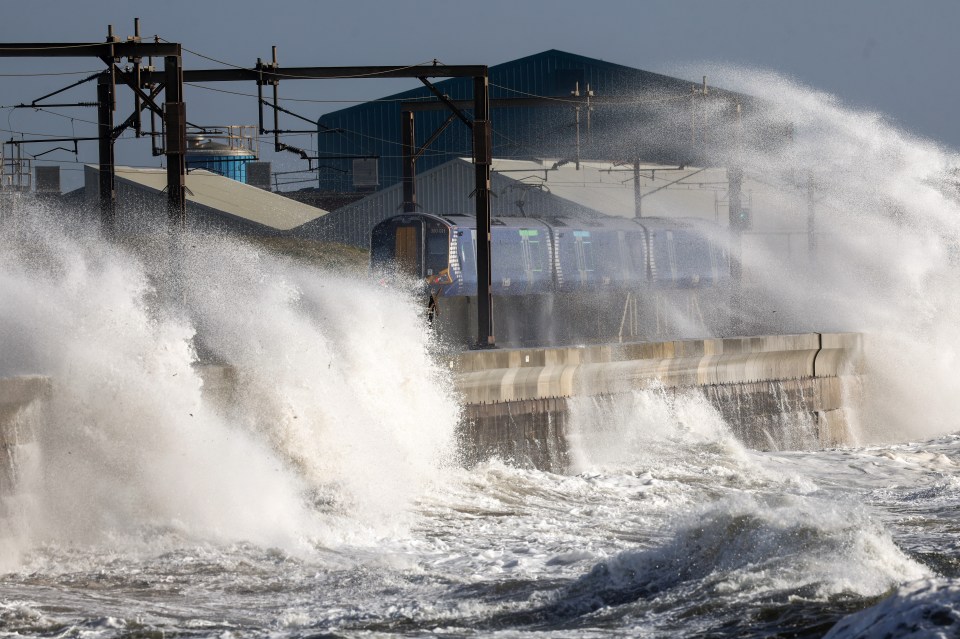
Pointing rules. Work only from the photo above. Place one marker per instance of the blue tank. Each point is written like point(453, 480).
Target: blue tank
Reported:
point(222, 159)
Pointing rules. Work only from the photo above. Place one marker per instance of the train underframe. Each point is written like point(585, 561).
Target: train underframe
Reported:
point(557, 319)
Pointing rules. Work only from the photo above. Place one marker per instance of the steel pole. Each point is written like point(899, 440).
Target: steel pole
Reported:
point(482, 158)
point(175, 118)
point(409, 163)
point(107, 181)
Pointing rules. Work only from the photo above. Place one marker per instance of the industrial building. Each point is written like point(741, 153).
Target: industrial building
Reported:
point(551, 104)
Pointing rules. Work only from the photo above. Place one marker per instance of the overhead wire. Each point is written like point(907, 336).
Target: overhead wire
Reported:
point(67, 117)
point(58, 47)
point(36, 75)
point(42, 135)
point(309, 100)
point(426, 64)
point(373, 74)
point(595, 101)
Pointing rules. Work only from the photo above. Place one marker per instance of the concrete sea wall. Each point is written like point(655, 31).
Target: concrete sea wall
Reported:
point(18, 397)
point(22, 399)
point(783, 391)
point(775, 392)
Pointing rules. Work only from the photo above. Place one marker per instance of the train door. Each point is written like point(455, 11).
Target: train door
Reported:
point(508, 270)
point(533, 258)
point(408, 248)
point(585, 260)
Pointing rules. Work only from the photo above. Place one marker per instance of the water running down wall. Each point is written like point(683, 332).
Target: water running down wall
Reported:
point(776, 392)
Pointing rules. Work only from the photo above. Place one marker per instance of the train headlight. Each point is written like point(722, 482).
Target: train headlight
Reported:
point(442, 278)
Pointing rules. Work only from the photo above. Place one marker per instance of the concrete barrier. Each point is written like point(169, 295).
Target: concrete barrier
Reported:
point(780, 391)
point(21, 398)
point(518, 374)
point(16, 394)
point(515, 400)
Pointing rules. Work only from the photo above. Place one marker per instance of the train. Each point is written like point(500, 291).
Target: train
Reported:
point(552, 275)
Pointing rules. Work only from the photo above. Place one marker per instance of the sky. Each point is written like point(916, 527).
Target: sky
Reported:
point(896, 58)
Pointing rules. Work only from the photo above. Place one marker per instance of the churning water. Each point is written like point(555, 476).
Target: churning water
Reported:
point(326, 497)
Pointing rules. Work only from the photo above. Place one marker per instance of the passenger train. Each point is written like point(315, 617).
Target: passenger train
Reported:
point(576, 263)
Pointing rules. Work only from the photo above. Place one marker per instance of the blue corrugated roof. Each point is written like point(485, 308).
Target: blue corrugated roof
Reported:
point(373, 128)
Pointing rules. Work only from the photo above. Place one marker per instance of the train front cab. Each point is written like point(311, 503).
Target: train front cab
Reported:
point(418, 246)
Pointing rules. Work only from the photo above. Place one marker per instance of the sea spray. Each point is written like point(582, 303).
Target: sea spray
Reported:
point(884, 210)
point(647, 428)
point(130, 440)
point(741, 548)
point(335, 370)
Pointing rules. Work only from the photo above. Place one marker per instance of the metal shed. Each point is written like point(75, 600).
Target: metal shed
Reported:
point(625, 98)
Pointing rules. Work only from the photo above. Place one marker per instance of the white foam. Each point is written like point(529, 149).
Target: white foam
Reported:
point(330, 404)
point(744, 547)
point(649, 426)
point(334, 370)
point(929, 608)
point(887, 219)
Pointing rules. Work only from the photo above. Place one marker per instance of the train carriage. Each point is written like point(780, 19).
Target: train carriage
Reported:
point(570, 267)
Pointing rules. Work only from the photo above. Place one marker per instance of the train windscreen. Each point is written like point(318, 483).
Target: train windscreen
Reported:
point(438, 248)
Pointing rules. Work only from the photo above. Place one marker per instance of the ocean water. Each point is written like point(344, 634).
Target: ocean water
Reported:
point(686, 534)
point(327, 497)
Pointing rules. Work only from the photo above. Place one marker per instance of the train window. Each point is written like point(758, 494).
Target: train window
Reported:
point(438, 250)
point(611, 250)
point(532, 253)
point(693, 260)
point(509, 258)
point(585, 259)
point(714, 264)
point(464, 246)
point(536, 255)
point(623, 253)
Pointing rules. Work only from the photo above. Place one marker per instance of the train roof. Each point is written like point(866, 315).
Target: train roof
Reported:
point(614, 223)
point(469, 221)
point(672, 223)
point(652, 224)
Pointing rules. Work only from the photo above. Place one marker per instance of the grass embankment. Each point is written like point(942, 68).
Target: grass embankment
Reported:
point(328, 255)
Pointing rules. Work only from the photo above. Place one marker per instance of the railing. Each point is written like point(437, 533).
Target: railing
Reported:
point(16, 174)
point(239, 137)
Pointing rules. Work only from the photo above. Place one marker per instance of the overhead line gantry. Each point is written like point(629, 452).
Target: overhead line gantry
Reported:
point(172, 78)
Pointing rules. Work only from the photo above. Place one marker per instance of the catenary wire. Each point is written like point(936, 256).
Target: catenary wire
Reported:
point(311, 100)
point(425, 64)
point(37, 75)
